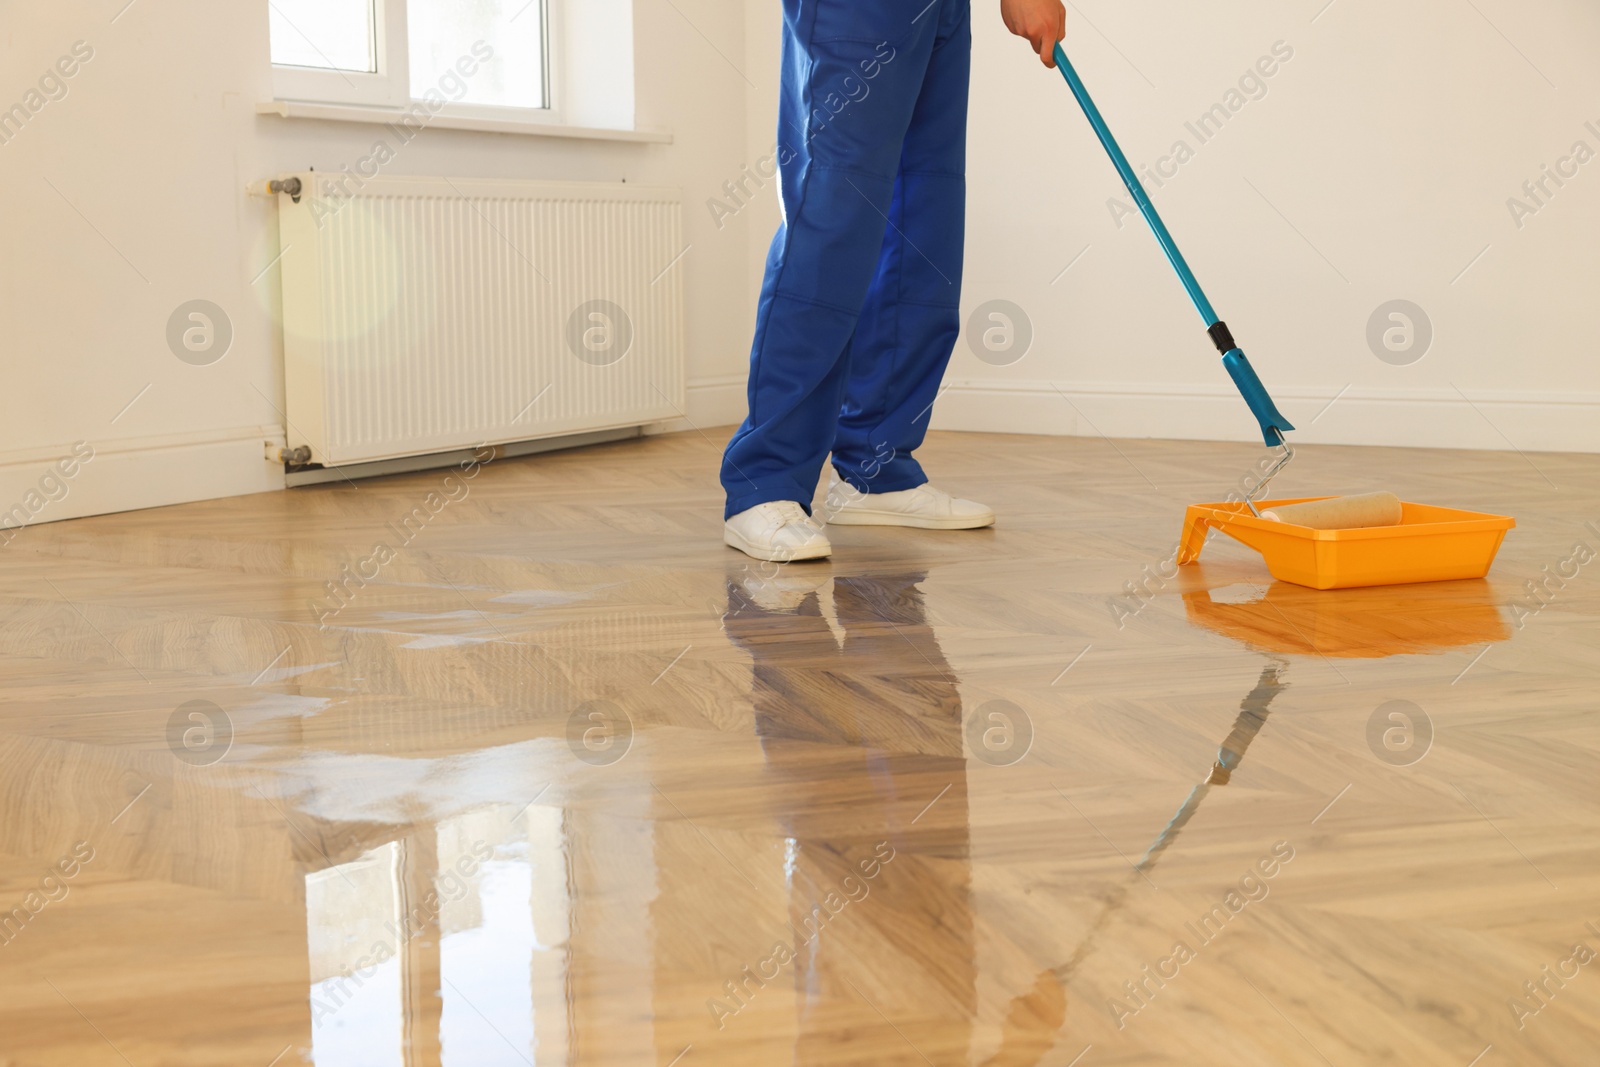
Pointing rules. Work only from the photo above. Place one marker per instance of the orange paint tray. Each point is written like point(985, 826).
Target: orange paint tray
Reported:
point(1431, 544)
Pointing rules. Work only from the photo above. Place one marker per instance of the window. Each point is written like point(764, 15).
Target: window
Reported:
point(488, 57)
point(341, 35)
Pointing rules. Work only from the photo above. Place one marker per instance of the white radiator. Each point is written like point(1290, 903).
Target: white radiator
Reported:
point(428, 314)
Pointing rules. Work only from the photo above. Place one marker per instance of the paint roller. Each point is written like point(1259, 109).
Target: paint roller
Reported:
point(1340, 512)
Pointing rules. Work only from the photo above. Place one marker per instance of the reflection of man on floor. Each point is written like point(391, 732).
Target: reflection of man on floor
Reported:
point(861, 732)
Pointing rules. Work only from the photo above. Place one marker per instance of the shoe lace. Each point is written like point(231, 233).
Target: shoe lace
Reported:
point(787, 512)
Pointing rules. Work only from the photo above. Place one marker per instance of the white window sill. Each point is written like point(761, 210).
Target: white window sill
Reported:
point(305, 109)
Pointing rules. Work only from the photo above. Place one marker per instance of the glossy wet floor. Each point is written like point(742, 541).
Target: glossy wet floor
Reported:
point(528, 768)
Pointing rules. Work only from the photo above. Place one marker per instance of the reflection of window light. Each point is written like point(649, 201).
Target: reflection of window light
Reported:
point(488, 972)
point(503, 918)
point(552, 901)
point(352, 913)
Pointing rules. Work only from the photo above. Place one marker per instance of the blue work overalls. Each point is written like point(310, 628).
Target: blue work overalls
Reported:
point(859, 309)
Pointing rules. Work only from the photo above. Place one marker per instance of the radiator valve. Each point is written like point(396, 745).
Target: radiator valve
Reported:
point(293, 186)
point(293, 458)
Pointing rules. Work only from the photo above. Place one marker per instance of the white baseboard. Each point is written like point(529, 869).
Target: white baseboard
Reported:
point(713, 401)
point(1420, 418)
point(133, 473)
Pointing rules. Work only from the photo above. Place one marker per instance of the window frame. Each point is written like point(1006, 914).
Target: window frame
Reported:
point(390, 85)
point(381, 88)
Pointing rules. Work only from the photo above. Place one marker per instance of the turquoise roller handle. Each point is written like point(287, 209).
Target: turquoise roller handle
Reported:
point(1273, 424)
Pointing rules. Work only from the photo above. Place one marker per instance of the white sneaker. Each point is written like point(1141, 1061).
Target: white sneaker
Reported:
point(924, 507)
point(778, 531)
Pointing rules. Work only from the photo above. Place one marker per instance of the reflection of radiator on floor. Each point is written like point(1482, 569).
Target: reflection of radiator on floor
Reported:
point(428, 314)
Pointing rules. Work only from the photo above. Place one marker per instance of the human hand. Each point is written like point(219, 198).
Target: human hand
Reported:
point(1042, 22)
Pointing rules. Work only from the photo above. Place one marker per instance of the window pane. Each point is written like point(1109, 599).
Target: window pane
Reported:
point(331, 34)
point(446, 32)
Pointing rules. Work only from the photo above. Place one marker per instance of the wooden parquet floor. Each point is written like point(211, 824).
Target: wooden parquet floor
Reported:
point(528, 768)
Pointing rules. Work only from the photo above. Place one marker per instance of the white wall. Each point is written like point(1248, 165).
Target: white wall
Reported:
point(126, 198)
point(1390, 141)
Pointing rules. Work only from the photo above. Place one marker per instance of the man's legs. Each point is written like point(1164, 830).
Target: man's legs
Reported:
point(853, 73)
point(911, 318)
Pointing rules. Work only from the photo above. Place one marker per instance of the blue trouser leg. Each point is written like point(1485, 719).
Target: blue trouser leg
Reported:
point(912, 317)
point(865, 90)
